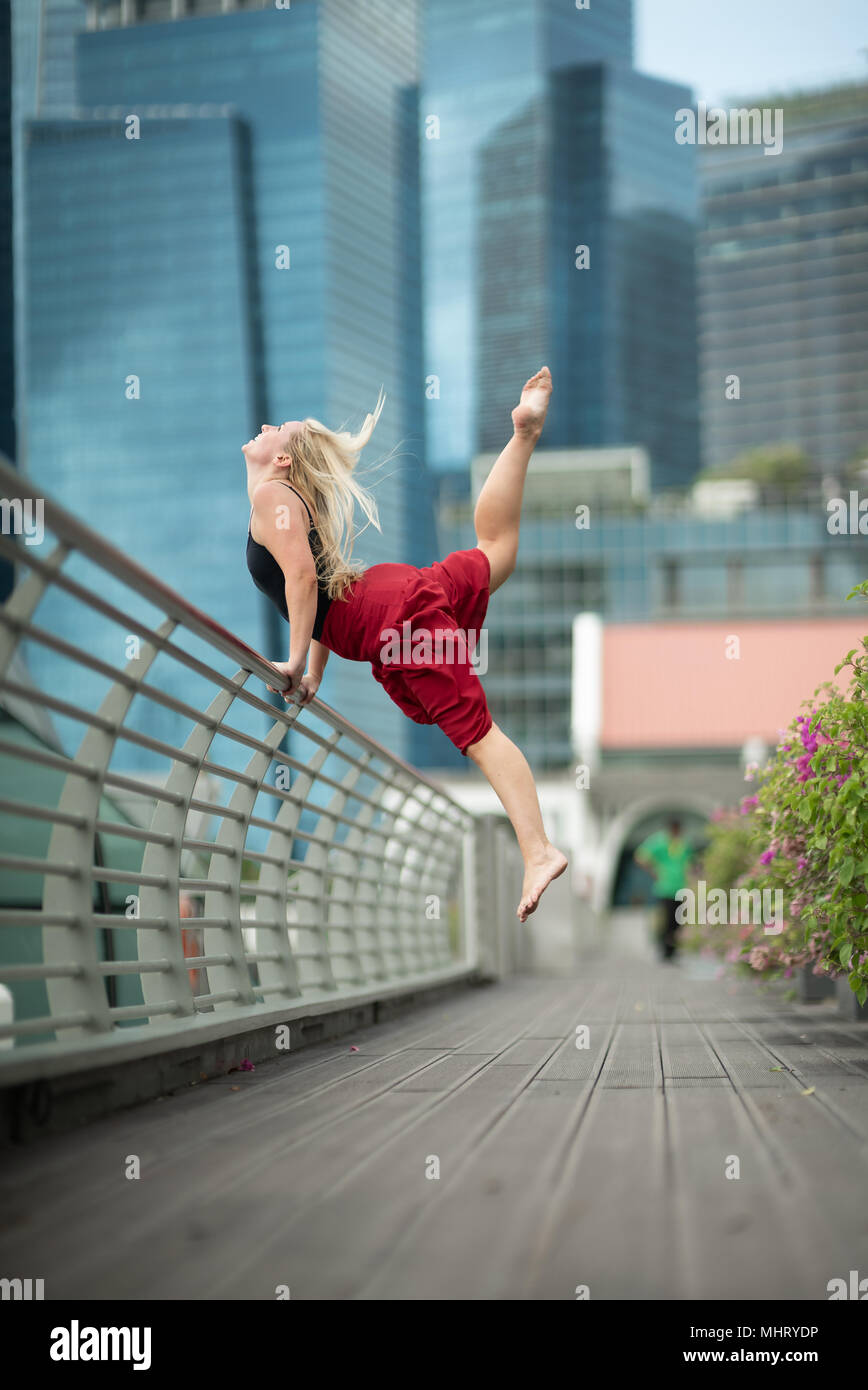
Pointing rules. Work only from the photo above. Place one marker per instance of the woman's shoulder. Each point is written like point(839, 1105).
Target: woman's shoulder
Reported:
point(273, 493)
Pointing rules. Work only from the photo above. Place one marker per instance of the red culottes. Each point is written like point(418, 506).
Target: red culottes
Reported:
point(418, 628)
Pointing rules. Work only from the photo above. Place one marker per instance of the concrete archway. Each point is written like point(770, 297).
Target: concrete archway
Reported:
point(618, 832)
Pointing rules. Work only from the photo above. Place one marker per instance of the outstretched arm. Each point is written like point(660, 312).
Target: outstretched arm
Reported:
point(282, 523)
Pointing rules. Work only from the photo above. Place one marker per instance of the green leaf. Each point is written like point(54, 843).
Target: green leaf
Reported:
point(847, 870)
point(845, 953)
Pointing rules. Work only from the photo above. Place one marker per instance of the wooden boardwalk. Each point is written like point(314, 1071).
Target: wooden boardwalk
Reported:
point(559, 1166)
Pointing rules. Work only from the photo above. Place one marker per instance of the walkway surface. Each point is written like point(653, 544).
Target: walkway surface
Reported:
point(559, 1166)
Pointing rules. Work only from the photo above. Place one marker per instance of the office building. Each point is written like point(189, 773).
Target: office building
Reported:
point(487, 70)
point(587, 215)
point(783, 285)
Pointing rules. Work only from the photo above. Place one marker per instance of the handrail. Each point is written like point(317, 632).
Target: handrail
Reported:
point(81, 537)
point(140, 908)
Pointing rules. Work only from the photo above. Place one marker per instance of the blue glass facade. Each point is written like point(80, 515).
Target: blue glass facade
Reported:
point(783, 269)
point(140, 330)
point(42, 83)
point(592, 163)
point(259, 131)
point(486, 69)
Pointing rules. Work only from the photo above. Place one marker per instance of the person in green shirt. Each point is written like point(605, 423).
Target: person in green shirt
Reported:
point(666, 856)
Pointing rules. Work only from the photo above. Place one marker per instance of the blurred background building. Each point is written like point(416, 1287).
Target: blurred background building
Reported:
point(540, 140)
point(487, 117)
point(784, 285)
point(588, 224)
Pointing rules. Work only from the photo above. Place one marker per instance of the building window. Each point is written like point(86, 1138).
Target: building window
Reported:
point(671, 574)
point(154, 10)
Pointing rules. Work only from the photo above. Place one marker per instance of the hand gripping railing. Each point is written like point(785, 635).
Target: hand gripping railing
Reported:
point(128, 923)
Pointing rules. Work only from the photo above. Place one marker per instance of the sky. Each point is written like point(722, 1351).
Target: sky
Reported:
point(724, 48)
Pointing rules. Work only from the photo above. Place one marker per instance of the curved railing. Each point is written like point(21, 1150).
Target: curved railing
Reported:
point(169, 864)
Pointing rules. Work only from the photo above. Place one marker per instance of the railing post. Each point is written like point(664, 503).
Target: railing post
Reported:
point(472, 947)
point(233, 978)
point(22, 603)
point(335, 915)
point(172, 986)
point(81, 795)
point(492, 883)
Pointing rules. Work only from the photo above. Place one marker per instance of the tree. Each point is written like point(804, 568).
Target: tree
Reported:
point(778, 467)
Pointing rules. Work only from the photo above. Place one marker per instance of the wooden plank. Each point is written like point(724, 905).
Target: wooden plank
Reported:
point(605, 1224)
point(737, 1237)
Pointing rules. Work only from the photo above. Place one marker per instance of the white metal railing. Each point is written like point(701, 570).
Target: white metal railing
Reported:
point(180, 871)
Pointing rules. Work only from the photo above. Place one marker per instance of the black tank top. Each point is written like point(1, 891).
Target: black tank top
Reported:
point(269, 578)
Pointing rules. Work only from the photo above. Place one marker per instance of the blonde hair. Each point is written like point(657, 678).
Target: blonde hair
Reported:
point(323, 467)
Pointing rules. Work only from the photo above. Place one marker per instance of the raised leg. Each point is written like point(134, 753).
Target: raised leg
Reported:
point(507, 770)
point(498, 507)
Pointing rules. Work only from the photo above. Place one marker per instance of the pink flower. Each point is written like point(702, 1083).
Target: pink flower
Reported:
point(767, 856)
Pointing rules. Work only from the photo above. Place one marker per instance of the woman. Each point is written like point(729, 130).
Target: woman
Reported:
point(302, 493)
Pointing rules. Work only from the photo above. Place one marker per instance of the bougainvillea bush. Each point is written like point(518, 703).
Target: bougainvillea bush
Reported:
point(731, 860)
point(804, 830)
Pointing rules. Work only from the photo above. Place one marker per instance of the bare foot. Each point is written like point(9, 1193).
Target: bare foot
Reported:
point(537, 877)
point(530, 413)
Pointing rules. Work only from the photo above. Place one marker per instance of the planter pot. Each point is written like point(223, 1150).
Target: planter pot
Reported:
point(814, 987)
point(848, 1004)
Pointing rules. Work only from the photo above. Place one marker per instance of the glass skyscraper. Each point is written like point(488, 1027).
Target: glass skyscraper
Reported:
point(592, 163)
point(252, 255)
point(783, 274)
point(43, 34)
point(539, 139)
point(486, 73)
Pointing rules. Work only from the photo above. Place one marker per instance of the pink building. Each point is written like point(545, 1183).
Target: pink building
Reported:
point(714, 685)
